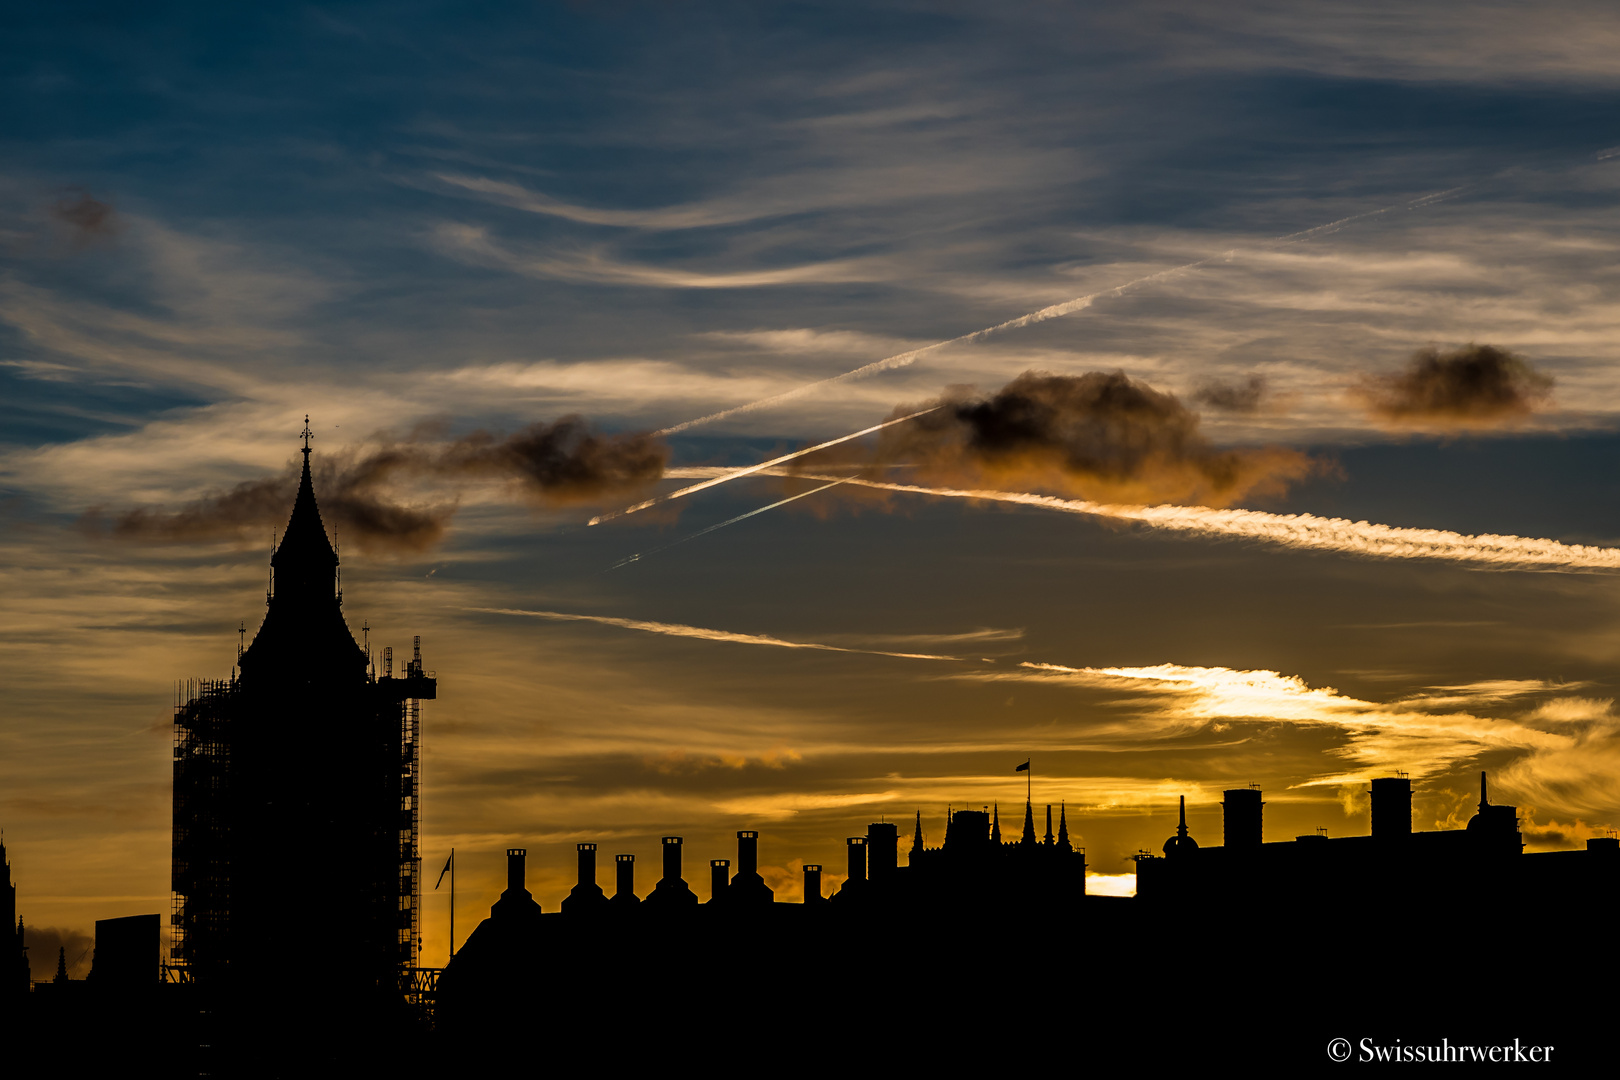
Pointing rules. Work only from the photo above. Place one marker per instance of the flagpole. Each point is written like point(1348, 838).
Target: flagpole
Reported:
point(452, 905)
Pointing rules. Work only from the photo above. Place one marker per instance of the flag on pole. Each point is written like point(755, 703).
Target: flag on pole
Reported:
point(446, 869)
point(1022, 768)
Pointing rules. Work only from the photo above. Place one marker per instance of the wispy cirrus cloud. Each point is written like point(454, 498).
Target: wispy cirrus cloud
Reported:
point(472, 243)
point(1380, 738)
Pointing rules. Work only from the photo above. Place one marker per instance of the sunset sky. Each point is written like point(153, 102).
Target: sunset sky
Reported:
point(1356, 261)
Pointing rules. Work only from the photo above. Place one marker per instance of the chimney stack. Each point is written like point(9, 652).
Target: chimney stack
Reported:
point(671, 891)
point(747, 852)
point(748, 887)
point(587, 865)
point(812, 883)
point(626, 893)
point(1242, 817)
point(1391, 808)
point(587, 895)
point(514, 869)
point(719, 877)
point(515, 902)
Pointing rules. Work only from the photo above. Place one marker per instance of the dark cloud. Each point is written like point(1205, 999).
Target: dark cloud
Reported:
point(1099, 435)
point(89, 218)
point(1244, 396)
point(561, 463)
point(1474, 386)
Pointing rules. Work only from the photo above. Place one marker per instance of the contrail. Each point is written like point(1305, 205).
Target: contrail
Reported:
point(729, 521)
point(1304, 531)
point(1055, 311)
point(733, 474)
point(702, 633)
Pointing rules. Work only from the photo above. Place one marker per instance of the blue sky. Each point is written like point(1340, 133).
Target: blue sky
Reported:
point(415, 222)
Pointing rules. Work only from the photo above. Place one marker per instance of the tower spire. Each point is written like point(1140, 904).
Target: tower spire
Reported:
point(1181, 829)
point(995, 823)
point(1048, 840)
point(1029, 823)
point(1482, 801)
point(303, 630)
point(1063, 828)
point(917, 837)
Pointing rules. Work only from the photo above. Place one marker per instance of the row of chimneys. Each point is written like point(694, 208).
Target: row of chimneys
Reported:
point(1391, 812)
point(876, 855)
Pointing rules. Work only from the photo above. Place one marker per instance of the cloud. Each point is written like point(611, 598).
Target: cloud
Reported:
point(1581, 773)
point(1474, 386)
point(349, 498)
point(1380, 737)
point(473, 244)
point(775, 807)
point(1573, 710)
point(88, 218)
point(1111, 884)
point(697, 216)
point(1243, 396)
point(560, 463)
point(1556, 834)
point(1099, 435)
point(984, 636)
point(703, 633)
point(1303, 531)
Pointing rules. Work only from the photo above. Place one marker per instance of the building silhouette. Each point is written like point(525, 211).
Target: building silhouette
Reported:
point(14, 974)
point(590, 963)
point(296, 797)
point(1354, 876)
point(296, 914)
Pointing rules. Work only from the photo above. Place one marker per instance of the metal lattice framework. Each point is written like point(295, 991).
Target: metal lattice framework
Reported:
point(199, 919)
point(410, 819)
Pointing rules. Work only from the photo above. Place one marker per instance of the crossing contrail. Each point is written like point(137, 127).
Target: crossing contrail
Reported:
point(1068, 307)
point(1300, 531)
point(749, 470)
point(729, 521)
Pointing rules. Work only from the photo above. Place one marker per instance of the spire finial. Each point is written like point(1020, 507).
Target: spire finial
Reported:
point(307, 435)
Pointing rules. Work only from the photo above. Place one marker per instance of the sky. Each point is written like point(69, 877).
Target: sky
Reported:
point(1265, 360)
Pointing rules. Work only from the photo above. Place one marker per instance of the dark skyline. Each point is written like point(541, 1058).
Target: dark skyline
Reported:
point(1356, 265)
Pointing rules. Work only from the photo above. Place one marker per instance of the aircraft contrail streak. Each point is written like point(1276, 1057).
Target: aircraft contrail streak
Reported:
point(702, 633)
point(733, 474)
point(729, 521)
point(1304, 531)
point(1055, 311)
